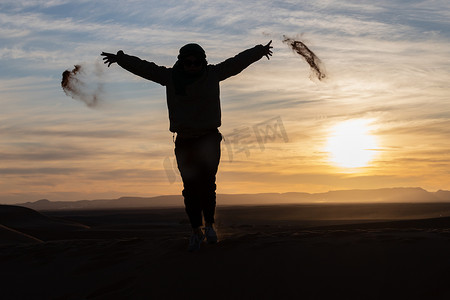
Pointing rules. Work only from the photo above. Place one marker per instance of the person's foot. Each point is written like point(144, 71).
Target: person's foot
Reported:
point(211, 235)
point(195, 241)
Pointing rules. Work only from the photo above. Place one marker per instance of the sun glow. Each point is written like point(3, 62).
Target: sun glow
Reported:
point(351, 145)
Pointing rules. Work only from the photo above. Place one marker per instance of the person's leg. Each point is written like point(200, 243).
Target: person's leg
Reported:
point(209, 207)
point(209, 157)
point(185, 152)
point(198, 161)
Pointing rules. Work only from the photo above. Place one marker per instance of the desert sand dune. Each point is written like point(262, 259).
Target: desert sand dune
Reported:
point(263, 253)
point(9, 236)
point(35, 224)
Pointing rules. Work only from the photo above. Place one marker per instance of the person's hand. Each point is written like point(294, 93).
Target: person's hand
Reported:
point(267, 50)
point(109, 58)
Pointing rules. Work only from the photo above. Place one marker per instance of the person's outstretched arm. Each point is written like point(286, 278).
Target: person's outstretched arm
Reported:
point(235, 65)
point(137, 66)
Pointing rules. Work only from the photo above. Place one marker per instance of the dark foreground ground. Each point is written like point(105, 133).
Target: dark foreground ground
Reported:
point(396, 251)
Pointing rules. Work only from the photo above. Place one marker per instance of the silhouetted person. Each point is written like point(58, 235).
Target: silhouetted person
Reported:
point(192, 89)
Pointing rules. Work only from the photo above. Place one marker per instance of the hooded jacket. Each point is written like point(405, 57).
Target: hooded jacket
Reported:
point(198, 109)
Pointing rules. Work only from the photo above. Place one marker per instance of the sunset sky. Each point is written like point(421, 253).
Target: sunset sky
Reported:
point(387, 86)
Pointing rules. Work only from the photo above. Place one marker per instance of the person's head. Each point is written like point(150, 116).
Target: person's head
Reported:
point(192, 58)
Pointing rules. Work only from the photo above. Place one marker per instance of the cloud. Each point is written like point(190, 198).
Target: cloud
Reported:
point(77, 133)
point(42, 156)
point(26, 83)
point(22, 4)
point(39, 171)
point(425, 128)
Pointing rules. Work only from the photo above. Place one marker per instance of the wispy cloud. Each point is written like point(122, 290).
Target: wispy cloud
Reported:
point(37, 171)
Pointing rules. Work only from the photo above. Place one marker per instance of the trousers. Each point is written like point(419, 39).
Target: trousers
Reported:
point(198, 160)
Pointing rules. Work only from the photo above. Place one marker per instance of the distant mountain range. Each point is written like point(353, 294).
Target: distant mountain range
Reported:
point(385, 195)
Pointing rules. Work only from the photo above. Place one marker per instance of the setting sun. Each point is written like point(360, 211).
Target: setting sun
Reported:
point(350, 144)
